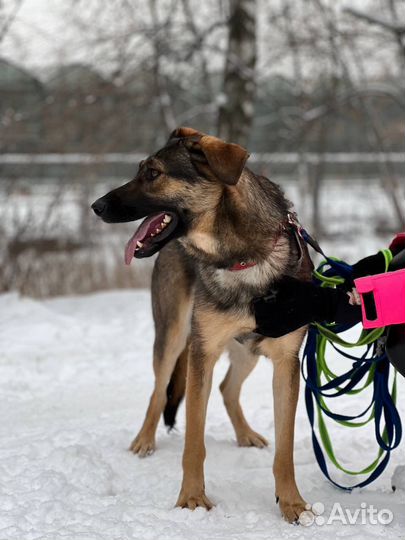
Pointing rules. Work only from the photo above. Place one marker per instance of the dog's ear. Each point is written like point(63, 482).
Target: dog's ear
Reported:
point(226, 160)
point(183, 132)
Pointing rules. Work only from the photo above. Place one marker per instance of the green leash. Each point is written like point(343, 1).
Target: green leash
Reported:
point(326, 336)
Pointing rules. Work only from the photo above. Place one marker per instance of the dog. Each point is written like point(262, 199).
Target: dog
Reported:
point(223, 237)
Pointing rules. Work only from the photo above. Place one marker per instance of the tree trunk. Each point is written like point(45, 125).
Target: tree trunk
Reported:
point(237, 102)
point(162, 91)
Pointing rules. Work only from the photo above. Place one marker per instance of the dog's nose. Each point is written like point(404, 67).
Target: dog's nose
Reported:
point(99, 207)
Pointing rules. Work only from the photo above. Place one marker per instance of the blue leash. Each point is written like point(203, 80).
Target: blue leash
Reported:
point(382, 402)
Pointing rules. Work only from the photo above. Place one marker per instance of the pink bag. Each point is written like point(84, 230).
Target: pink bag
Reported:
point(382, 299)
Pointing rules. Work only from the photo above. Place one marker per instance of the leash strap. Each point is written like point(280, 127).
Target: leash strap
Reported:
point(343, 269)
point(371, 368)
point(382, 403)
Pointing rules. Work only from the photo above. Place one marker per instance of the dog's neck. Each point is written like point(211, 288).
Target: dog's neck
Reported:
point(244, 226)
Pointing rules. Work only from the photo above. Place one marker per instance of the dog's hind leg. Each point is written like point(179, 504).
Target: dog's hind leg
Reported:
point(163, 365)
point(172, 304)
point(242, 362)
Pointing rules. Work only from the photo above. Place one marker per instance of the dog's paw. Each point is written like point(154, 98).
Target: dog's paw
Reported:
point(251, 438)
point(292, 510)
point(192, 500)
point(143, 445)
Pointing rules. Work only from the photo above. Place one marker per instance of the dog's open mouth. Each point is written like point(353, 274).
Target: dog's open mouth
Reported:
point(154, 231)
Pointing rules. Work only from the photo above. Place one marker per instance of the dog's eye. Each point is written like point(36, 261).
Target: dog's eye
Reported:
point(152, 174)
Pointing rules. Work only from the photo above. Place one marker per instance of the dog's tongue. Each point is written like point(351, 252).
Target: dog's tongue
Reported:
point(142, 234)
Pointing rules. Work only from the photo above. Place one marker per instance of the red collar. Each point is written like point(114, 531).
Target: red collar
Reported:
point(290, 220)
point(241, 266)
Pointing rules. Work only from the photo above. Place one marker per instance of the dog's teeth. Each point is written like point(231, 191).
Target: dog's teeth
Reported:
point(152, 234)
point(158, 230)
point(167, 219)
point(163, 225)
point(139, 244)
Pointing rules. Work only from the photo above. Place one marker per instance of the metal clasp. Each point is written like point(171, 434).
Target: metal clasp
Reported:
point(292, 219)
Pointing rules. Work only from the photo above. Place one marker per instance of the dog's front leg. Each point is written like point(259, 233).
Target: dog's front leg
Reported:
point(286, 380)
point(199, 379)
point(285, 390)
point(208, 339)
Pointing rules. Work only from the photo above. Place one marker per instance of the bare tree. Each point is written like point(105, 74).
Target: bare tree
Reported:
point(158, 44)
point(389, 179)
point(237, 100)
point(7, 20)
point(329, 55)
point(397, 29)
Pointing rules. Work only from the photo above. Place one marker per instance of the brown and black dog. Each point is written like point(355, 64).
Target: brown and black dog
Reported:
point(223, 237)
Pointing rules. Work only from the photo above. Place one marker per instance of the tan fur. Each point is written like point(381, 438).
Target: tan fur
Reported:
point(242, 362)
point(204, 241)
point(212, 332)
point(286, 378)
point(214, 329)
point(260, 274)
point(163, 366)
point(228, 215)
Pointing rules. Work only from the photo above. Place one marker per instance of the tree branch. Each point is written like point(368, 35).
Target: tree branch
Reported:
point(387, 25)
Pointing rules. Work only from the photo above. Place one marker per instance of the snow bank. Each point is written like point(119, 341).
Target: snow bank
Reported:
point(75, 376)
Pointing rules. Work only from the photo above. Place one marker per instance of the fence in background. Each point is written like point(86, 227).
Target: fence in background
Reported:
point(308, 168)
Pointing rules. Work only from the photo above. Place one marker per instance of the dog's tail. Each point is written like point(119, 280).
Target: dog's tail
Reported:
point(176, 389)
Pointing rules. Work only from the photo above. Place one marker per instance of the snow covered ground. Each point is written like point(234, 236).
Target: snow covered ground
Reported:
point(75, 378)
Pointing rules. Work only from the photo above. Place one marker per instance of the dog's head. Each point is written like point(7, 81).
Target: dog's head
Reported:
point(184, 179)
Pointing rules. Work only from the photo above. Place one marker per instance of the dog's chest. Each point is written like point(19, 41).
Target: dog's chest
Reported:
point(257, 276)
point(239, 286)
point(232, 289)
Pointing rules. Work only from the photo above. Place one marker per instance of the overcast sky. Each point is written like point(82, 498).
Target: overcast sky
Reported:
point(36, 36)
point(42, 34)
